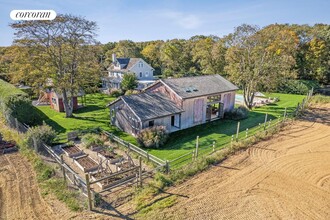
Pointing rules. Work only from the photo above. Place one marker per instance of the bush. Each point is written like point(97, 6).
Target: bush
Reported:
point(42, 134)
point(91, 140)
point(300, 87)
point(153, 137)
point(238, 113)
point(115, 93)
point(131, 92)
point(15, 103)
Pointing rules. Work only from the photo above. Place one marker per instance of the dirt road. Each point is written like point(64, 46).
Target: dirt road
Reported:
point(287, 177)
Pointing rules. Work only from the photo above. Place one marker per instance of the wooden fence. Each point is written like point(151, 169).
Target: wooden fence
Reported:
point(131, 147)
point(268, 123)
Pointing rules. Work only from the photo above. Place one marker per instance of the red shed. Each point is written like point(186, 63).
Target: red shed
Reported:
point(56, 101)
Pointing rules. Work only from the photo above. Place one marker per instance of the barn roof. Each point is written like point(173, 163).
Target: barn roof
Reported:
point(189, 87)
point(149, 105)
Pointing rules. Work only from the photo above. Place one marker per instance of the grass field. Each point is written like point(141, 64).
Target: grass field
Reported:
point(220, 131)
point(95, 114)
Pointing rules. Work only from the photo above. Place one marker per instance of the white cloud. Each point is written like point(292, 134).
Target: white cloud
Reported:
point(186, 21)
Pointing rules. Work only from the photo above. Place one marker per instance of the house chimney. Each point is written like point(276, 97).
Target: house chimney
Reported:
point(114, 58)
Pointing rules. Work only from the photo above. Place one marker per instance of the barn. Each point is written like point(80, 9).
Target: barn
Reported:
point(176, 103)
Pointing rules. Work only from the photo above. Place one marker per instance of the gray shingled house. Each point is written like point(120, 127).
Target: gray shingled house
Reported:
point(176, 103)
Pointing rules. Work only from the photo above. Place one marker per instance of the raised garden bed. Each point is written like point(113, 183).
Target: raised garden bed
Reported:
point(111, 156)
point(86, 164)
point(115, 180)
point(72, 151)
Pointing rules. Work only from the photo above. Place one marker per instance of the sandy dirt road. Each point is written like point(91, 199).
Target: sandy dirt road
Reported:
point(287, 177)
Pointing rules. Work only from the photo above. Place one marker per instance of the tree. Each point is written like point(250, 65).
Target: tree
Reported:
point(129, 81)
point(259, 59)
point(151, 53)
point(64, 50)
point(209, 55)
point(176, 58)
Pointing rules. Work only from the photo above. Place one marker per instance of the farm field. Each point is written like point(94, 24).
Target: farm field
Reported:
point(19, 193)
point(287, 177)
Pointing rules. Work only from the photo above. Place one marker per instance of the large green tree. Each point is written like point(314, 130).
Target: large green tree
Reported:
point(129, 81)
point(62, 51)
point(259, 59)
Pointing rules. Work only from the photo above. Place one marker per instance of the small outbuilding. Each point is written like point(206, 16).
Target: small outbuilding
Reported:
point(56, 100)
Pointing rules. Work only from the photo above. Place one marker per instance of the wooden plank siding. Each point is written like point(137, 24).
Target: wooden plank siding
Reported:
point(124, 118)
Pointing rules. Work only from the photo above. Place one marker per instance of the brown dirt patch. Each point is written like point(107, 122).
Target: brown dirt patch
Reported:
point(287, 177)
point(19, 192)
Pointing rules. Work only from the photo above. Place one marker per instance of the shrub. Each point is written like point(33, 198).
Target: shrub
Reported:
point(115, 93)
point(131, 92)
point(296, 86)
point(238, 113)
point(42, 134)
point(153, 137)
point(91, 140)
point(15, 103)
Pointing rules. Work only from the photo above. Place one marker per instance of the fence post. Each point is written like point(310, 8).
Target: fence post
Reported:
point(35, 144)
point(88, 192)
point(63, 169)
point(196, 151)
point(246, 133)
point(232, 139)
point(140, 171)
point(147, 156)
point(237, 131)
point(284, 116)
point(213, 146)
point(167, 166)
point(269, 123)
point(193, 155)
point(265, 121)
point(16, 124)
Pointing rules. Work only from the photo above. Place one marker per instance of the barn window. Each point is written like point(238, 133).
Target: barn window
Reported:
point(151, 123)
point(141, 74)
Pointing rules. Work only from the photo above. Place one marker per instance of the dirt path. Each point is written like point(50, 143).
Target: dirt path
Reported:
point(287, 177)
point(19, 192)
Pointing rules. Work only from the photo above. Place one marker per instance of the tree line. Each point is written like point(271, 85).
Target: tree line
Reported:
point(309, 48)
point(65, 52)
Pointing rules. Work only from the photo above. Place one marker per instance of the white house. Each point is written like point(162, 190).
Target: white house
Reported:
point(120, 66)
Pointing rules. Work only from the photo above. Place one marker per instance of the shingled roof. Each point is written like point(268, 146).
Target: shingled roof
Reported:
point(189, 87)
point(149, 105)
point(127, 63)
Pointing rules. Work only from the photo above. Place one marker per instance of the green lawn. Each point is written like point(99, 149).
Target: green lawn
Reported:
point(220, 131)
point(94, 114)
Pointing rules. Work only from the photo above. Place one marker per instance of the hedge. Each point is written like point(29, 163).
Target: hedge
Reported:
point(16, 103)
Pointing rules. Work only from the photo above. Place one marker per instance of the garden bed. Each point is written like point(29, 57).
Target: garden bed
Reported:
point(72, 151)
point(111, 156)
point(115, 180)
point(86, 164)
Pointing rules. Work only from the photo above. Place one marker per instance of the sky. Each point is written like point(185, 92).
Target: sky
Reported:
point(145, 20)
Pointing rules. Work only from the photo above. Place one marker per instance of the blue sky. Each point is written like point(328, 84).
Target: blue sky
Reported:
point(144, 20)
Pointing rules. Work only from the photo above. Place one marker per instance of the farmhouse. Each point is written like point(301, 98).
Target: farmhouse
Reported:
point(121, 66)
point(176, 103)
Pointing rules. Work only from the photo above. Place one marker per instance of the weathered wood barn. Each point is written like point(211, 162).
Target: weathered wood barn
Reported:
point(176, 103)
